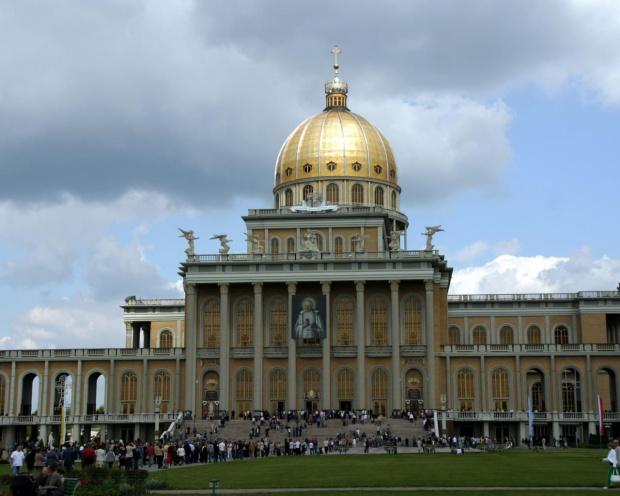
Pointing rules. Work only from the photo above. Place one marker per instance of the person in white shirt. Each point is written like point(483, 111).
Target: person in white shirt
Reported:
point(613, 462)
point(17, 460)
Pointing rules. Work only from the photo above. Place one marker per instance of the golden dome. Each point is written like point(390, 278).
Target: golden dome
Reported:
point(337, 147)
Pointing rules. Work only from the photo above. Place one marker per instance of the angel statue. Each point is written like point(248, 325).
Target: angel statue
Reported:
point(430, 232)
point(253, 239)
point(359, 241)
point(189, 236)
point(224, 242)
point(395, 240)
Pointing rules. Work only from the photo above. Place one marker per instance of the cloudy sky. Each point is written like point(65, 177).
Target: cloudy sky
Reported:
point(122, 120)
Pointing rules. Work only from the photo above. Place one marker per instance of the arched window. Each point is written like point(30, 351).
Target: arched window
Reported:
point(332, 193)
point(162, 390)
point(533, 335)
point(338, 245)
point(275, 246)
point(277, 322)
point(308, 190)
point(378, 322)
point(454, 335)
point(165, 339)
point(379, 391)
point(211, 318)
point(357, 193)
point(479, 335)
point(129, 392)
point(561, 335)
point(345, 385)
point(538, 397)
point(245, 323)
point(345, 320)
point(288, 198)
point(394, 202)
point(379, 196)
point(245, 385)
point(506, 335)
point(465, 390)
point(277, 388)
point(413, 321)
point(290, 245)
point(571, 390)
point(501, 392)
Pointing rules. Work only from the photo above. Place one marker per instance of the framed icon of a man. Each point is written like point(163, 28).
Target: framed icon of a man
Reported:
point(309, 320)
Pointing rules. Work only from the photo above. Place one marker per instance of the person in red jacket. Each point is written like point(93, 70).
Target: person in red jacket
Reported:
point(88, 457)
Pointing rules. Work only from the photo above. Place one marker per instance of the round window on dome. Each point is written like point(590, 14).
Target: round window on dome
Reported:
point(331, 166)
point(307, 168)
point(378, 169)
point(356, 166)
point(289, 171)
point(392, 173)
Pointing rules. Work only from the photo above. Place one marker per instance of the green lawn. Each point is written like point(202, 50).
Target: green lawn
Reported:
point(552, 468)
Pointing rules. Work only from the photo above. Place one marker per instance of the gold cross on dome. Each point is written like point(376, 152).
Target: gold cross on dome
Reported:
point(335, 51)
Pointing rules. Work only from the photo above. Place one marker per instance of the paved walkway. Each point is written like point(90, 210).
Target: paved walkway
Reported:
point(372, 489)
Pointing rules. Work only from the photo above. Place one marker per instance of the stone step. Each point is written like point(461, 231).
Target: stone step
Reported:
point(240, 429)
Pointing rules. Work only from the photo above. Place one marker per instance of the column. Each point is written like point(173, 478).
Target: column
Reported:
point(128, 334)
point(224, 347)
point(555, 426)
point(589, 379)
point(76, 406)
point(484, 405)
point(326, 373)
point(360, 326)
point(518, 377)
point(430, 346)
point(45, 386)
point(257, 395)
point(291, 381)
point(177, 386)
point(396, 389)
point(111, 407)
point(12, 409)
point(145, 382)
point(191, 300)
point(449, 384)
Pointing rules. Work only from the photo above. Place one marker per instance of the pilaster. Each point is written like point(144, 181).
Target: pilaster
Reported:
point(191, 299)
point(224, 347)
point(326, 373)
point(396, 389)
point(430, 346)
point(291, 382)
point(257, 396)
point(360, 326)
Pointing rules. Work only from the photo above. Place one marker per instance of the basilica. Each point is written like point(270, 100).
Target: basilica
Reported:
point(328, 309)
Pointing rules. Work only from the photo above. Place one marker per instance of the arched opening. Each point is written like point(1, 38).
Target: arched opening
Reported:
point(245, 384)
point(345, 390)
point(379, 196)
point(95, 398)
point(163, 390)
point(412, 315)
point(210, 395)
point(414, 391)
point(312, 389)
point(379, 386)
point(288, 198)
point(357, 194)
point(332, 193)
point(30, 402)
point(277, 390)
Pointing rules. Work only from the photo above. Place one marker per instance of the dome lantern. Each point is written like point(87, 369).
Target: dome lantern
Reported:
point(336, 89)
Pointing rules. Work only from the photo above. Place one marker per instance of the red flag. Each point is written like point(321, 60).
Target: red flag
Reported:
point(600, 415)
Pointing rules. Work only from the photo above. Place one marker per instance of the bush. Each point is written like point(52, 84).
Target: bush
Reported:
point(102, 481)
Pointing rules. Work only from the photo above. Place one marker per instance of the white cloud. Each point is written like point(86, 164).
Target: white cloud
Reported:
point(480, 248)
point(446, 145)
point(67, 325)
point(538, 274)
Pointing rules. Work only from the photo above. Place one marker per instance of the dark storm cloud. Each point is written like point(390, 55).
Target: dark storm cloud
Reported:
point(193, 99)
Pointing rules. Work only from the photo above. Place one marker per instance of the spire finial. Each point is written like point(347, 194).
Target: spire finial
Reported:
point(336, 51)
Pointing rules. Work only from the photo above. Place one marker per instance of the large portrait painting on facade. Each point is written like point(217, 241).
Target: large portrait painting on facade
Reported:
point(309, 312)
